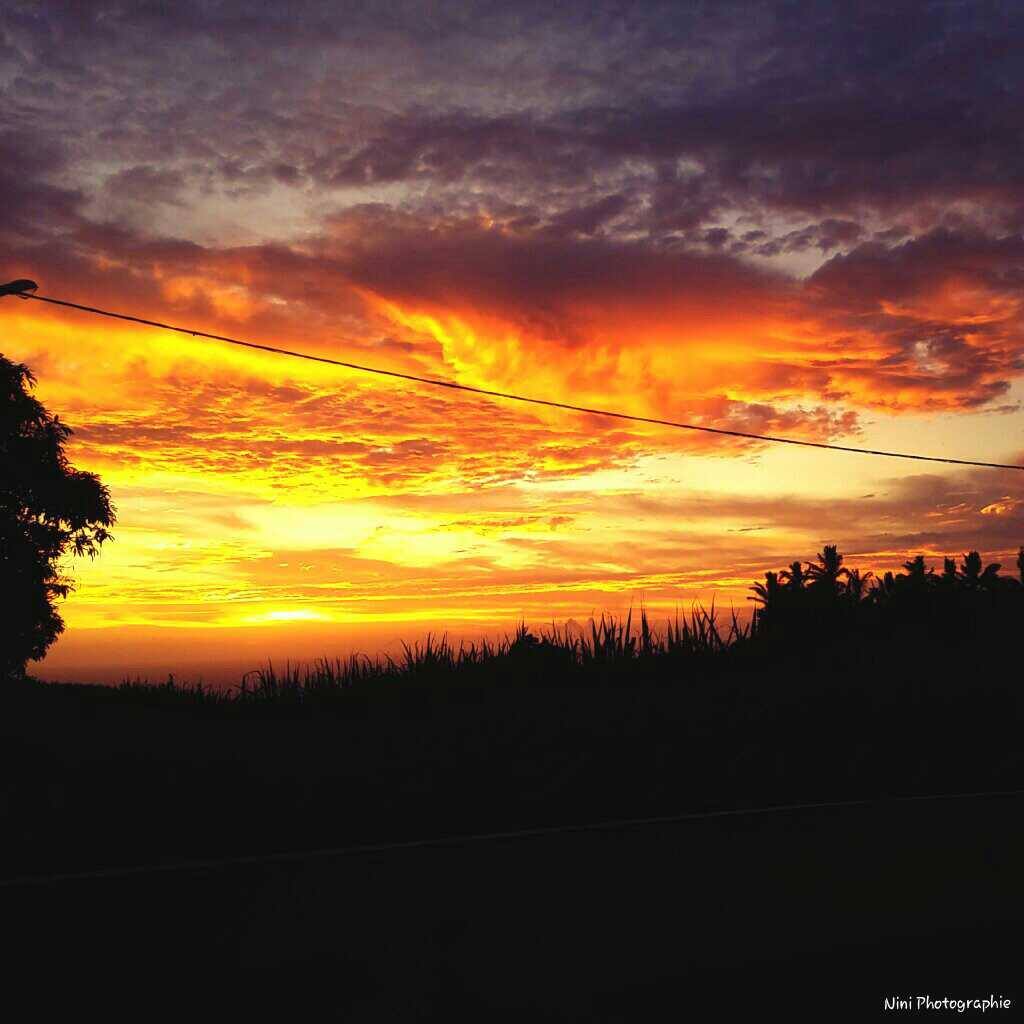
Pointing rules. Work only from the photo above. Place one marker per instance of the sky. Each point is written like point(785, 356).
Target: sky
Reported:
point(796, 218)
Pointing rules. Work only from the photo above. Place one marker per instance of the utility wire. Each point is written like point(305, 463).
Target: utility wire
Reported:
point(512, 397)
point(472, 839)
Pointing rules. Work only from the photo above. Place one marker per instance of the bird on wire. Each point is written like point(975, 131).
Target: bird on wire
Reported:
point(19, 287)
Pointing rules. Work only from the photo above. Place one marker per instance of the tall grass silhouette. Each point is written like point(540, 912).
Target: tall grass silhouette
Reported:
point(610, 652)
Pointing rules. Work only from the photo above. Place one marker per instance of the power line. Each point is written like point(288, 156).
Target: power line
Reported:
point(507, 395)
point(472, 839)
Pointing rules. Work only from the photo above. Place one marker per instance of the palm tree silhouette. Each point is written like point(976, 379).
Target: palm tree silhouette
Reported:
point(918, 575)
point(974, 577)
point(768, 596)
point(794, 576)
point(824, 577)
point(857, 584)
point(949, 574)
point(916, 569)
point(970, 569)
point(885, 587)
point(990, 578)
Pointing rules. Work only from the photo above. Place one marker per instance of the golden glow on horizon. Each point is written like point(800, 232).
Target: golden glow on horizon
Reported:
point(291, 615)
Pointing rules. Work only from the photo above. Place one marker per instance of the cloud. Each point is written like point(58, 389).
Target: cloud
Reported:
point(939, 319)
point(932, 323)
point(799, 219)
point(689, 115)
point(145, 183)
point(922, 513)
point(32, 205)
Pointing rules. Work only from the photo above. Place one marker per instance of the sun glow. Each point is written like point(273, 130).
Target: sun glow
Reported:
point(292, 615)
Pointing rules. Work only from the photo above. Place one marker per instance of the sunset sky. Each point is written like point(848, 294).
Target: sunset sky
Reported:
point(800, 219)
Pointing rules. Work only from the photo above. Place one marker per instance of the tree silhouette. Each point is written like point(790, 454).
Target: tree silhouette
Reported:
point(767, 594)
point(47, 508)
point(970, 569)
point(824, 575)
point(793, 577)
point(917, 572)
point(974, 577)
point(829, 607)
point(768, 597)
point(949, 574)
point(857, 584)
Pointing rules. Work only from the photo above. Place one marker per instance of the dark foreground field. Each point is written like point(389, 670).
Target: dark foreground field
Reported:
point(884, 895)
point(811, 915)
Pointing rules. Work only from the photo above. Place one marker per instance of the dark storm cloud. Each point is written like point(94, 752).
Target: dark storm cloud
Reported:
point(422, 146)
point(837, 114)
point(30, 204)
point(827, 110)
point(463, 263)
point(876, 272)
